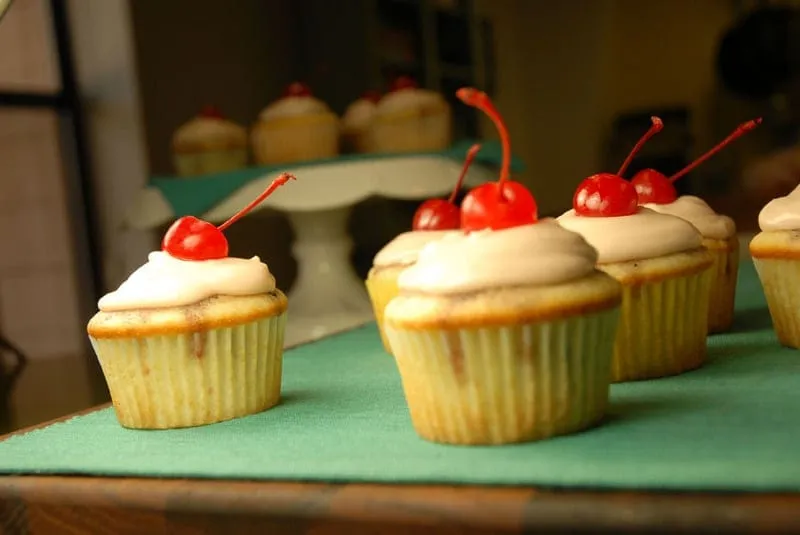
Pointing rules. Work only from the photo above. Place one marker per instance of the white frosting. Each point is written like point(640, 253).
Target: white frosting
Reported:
point(781, 213)
point(358, 115)
point(645, 234)
point(701, 215)
point(210, 130)
point(165, 281)
point(403, 250)
point(408, 99)
point(538, 254)
point(293, 107)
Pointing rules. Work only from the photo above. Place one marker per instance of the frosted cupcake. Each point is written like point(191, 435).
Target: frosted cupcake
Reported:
point(664, 270)
point(657, 192)
point(193, 337)
point(298, 127)
point(411, 119)
point(209, 144)
point(776, 255)
point(356, 122)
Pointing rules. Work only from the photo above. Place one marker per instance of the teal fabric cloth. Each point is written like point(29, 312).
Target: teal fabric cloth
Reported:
point(732, 425)
point(196, 195)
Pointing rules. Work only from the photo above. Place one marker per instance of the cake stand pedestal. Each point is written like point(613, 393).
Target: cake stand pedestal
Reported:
point(328, 296)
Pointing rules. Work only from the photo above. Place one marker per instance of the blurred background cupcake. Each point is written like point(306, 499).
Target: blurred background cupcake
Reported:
point(356, 121)
point(411, 119)
point(295, 128)
point(209, 143)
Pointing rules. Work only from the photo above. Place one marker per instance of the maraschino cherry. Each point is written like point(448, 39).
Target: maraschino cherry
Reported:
point(653, 187)
point(297, 89)
point(607, 195)
point(211, 112)
point(403, 82)
point(190, 238)
point(501, 204)
point(443, 214)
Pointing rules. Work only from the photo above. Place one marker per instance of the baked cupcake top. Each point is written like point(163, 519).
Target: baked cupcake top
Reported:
point(403, 249)
point(165, 281)
point(781, 213)
point(638, 236)
point(209, 130)
point(405, 96)
point(697, 212)
point(360, 113)
point(297, 101)
point(538, 254)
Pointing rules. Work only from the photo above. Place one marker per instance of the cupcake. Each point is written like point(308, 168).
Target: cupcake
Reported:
point(656, 191)
point(411, 119)
point(298, 127)
point(664, 270)
point(192, 337)
point(434, 219)
point(356, 121)
point(776, 255)
point(209, 144)
point(503, 332)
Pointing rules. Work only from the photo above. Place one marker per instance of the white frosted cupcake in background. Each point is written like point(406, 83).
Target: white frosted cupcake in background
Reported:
point(356, 122)
point(298, 127)
point(776, 255)
point(208, 144)
point(411, 119)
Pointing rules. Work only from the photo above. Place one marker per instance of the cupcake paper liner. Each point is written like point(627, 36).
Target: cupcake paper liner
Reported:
point(411, 133)
point(663, 327)
point(382, 288)
point(190, 379)
point(724, 274)
point(295, 140)
point(203, 163)
point(499, 385)
point(780, 278)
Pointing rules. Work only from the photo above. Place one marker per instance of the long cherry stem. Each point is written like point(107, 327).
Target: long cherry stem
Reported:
point(278, 182)
point(655, 128)
point(478, 99)
point(468, 159)
point(740, 130)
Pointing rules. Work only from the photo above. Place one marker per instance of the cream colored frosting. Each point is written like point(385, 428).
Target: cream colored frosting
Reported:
point(358, 115)
point(292, 107)
point(701, 215)
point(210, 130)
point(165, 281)
point(538, 254)
point(403, 250)
point(781, 213)
point(410, 98)
point(645, 234)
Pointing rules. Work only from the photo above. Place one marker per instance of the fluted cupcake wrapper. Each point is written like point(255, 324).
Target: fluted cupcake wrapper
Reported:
point(191, 379)
point(201, 163)
point(663, 328)
point(724, 273)
point(295, 139)
point(382, 288)
point(780, 278)
point(412, 133)
point(499, 385)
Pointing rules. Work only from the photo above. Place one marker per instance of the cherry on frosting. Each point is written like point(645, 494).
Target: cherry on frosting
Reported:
point(190, 238)
point(403, 82)
point(443, 214)
point(501, 204)
point(297, 89)
point(609, 195)
point(211, 112)
point(371, 96)
point(653, 187)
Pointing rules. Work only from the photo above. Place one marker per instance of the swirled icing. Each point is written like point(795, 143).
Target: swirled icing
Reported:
point(210, 130)
point(293, 107)
point(358, 115)
point(701, 215)
point(165, 281)
point(408, 99)
point(538, 254)
point(404, 248)
point(645, 234)
point(781, 213)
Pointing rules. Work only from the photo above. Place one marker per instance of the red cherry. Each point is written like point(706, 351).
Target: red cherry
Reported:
point(501, 204)
point(211, 112)
point(403, 82)
point(297, 89)
point(372, 96)
point(441, 214)
point(190, 238)
point(654, 187)
point(605, 195)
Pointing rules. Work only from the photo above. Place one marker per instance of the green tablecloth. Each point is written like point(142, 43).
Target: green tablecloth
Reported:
point(734, 425)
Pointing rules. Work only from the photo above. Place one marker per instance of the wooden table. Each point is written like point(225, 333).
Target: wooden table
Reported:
point(56, 504)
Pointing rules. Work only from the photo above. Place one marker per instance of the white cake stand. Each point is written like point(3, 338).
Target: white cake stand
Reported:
point(328, 296)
